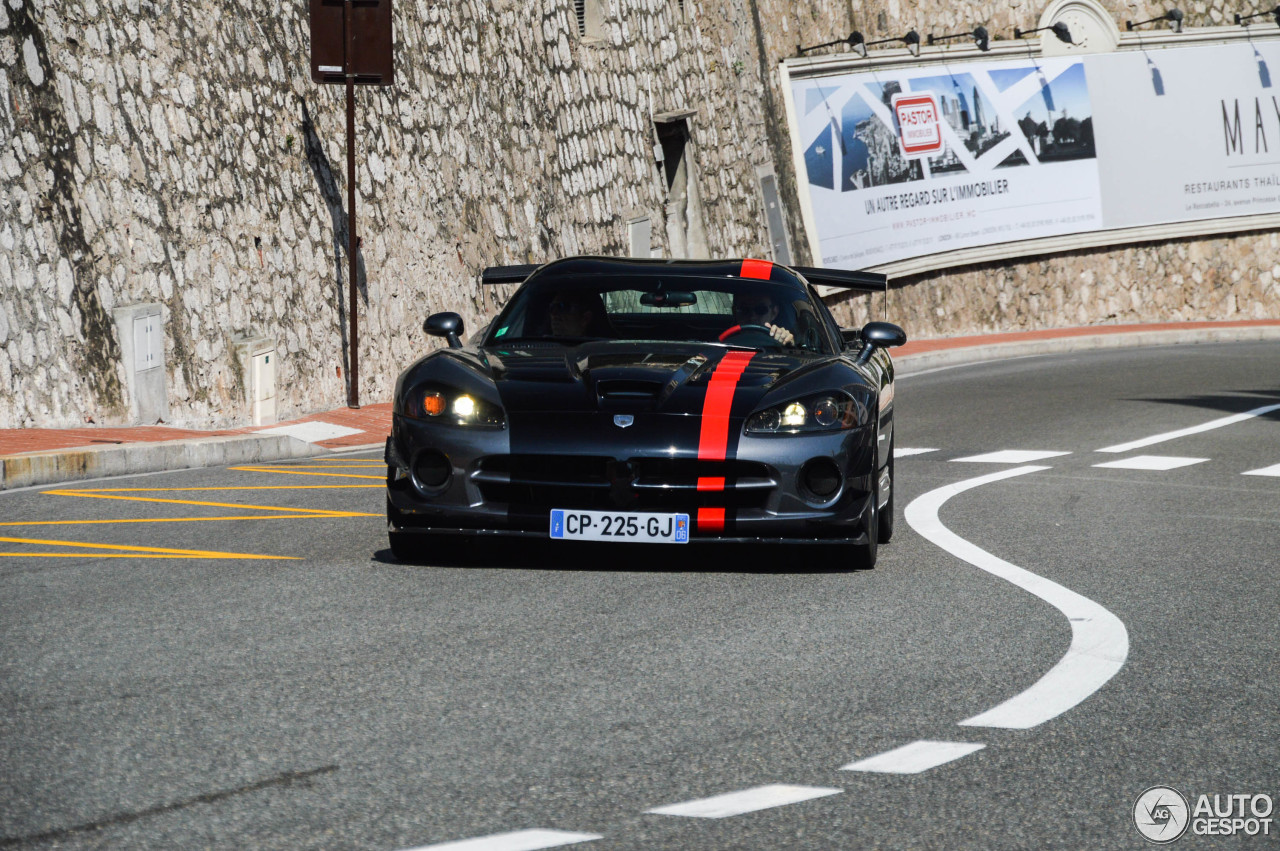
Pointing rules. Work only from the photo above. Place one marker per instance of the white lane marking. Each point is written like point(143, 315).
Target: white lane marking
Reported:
point(1012, 456)
point(903, 453)
point(1209, 426)
point(1099, 641)
point(745, 801)
point(1273, 470)
point(520, 840)
point(915, 757)
point(311, 432)
point(1152, 462)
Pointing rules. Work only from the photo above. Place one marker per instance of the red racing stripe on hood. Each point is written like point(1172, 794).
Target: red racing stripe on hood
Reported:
point(713, 442)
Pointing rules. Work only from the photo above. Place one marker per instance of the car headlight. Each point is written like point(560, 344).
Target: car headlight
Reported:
point(447, 405)
point(816, 413)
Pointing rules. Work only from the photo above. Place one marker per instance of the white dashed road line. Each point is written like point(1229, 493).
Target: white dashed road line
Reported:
point(520, 840)
point(745, 801)
point(1151, 462)
point(1273, 470)
point(915, 757)
point(1012, 456)
point(903, 453)
point(1099, 641)
point(1209, 426)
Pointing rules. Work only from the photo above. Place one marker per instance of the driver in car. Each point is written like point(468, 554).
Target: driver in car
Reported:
point(576, 314)
point(761, 310)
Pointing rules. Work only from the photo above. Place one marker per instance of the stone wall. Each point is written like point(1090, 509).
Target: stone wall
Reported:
point(153, 152)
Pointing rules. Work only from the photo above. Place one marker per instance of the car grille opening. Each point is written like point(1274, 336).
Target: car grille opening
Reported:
point(542, 482)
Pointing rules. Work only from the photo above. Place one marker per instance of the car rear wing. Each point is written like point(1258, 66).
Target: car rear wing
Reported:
point(845, 279)
point(507, 274)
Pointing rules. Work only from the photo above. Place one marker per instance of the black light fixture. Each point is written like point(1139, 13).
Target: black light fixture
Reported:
point(855, 41)
point(979, 35)
point(1174, 16)
point(1273, 12)
point(911, 40)
point(1059, 29)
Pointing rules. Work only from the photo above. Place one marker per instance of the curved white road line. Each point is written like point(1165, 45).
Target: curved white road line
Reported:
point(1099, 641)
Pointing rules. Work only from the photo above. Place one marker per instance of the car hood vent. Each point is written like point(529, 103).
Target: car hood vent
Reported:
point(628, 389)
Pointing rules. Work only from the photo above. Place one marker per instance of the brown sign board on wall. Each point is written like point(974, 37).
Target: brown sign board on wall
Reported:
point(365, 51)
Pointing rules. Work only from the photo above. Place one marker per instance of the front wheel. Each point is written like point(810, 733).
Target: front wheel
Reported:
point(865, 554)
point(404, 546)
point(886, 513)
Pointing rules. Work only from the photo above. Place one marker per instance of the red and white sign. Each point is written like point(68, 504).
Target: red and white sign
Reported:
point(919, 124)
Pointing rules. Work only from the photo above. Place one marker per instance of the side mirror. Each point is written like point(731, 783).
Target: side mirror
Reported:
point(447, 325)
point(879, 335)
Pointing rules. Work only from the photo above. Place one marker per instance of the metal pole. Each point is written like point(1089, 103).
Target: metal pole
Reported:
point(353, 389)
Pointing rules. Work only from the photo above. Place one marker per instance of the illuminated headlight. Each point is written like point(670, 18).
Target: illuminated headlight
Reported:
point(446, 406)
point(794, 415)
point(817, 413)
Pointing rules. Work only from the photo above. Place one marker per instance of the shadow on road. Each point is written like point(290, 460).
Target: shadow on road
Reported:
point(1230, 402)
point(649, 558)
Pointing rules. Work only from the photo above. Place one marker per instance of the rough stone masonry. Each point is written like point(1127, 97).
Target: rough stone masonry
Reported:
point(171, 154)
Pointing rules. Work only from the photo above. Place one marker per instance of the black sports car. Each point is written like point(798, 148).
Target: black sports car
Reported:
point(651, 401)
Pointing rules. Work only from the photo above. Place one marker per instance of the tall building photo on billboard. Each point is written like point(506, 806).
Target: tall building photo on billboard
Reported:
point(969, 114)
point(1058, 122)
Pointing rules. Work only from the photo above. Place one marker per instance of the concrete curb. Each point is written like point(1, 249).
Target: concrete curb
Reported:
point(68, 465)
point(909, 364)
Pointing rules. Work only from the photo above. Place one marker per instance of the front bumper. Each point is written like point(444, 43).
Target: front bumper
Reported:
point(491, 490)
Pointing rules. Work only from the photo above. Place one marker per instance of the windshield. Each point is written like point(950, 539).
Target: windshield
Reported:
point(567, 310)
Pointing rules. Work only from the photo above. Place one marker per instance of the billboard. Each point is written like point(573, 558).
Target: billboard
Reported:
point(909, 161)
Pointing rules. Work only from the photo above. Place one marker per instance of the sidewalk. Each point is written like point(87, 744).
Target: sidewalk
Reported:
point(40, 456)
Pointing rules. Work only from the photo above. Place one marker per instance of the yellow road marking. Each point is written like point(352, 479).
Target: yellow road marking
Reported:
point(320, 512)
point(229, 488)
point(186, 519)
point(134, 555)
point(282, 472)
point(379, 465)
point(124, 551)
point(154, 550)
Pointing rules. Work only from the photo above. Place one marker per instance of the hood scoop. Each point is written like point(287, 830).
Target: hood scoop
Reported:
point(628, 390)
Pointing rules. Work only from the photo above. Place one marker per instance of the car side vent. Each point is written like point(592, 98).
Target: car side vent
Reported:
point(618, 388)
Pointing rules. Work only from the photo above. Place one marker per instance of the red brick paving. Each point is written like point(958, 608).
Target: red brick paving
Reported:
point(374, 422)
point(920, 346)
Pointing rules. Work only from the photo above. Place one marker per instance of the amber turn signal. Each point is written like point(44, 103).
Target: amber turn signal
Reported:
point(433, 404)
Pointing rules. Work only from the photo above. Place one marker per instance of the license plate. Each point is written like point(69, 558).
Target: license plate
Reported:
point(629, 526)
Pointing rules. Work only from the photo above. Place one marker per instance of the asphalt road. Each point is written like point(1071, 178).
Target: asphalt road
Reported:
point(231, 658)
